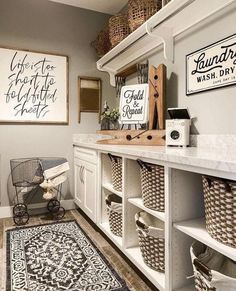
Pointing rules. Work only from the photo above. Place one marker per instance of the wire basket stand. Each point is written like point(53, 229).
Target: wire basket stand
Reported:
point(27, 175)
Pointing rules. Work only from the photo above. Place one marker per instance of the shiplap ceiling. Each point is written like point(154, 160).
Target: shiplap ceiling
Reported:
point(105, 6)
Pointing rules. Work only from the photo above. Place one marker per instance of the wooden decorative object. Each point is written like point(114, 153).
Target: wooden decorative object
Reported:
point(155, 135)
point(128, 71)
point(134, 137)
point(157, 85)
point(89, 93)
point(121, 78)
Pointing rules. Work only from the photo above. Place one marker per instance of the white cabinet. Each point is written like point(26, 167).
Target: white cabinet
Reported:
point(79, 186)
point(85, 173)
point(184, 203)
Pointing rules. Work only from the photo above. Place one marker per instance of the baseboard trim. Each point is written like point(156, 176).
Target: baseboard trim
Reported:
point(6, 211)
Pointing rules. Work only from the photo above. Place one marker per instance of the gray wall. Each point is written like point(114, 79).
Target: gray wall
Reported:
point(214, 110)
point(46, 26)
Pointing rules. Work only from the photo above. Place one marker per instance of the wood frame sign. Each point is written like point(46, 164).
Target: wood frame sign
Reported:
point(212, 67)
point(89, 95)
point(33, 87)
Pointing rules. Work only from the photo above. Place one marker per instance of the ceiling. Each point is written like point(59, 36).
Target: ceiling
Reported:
point(104, 6)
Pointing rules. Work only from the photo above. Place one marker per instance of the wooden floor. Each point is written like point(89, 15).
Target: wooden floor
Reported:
point(133, 280)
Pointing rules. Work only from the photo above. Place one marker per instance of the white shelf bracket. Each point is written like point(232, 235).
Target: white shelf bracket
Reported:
point(165, 34)
point(111, 73)
point(112, 78)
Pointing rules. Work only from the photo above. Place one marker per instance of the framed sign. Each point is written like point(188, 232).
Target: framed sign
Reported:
point(212, 67)
point(33, 87)
point(134, 104)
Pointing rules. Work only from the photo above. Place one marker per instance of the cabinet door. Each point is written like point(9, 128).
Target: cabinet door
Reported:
point(79, 185)
point(89, 178)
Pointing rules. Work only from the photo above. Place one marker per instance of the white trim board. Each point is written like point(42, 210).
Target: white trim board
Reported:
point(6, 211)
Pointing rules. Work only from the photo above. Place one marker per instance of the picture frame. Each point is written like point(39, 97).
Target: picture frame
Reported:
point(34, 87)
point(89, 95)
point(134, 101)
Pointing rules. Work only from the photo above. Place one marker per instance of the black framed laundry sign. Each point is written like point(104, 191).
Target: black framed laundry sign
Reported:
point(212, 67)
point(33, 87)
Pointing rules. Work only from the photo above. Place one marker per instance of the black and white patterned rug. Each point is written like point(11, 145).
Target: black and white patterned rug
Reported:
point(57, 256)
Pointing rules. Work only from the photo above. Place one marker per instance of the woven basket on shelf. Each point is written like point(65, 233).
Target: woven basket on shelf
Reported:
point(118, 28)
point(151, 240)
point(114, 210)
point(200, 280)
point(152, 184)
point(140, 10)
point(116, 172)
point(102, 43)
point(220, 210)
point(212, 270)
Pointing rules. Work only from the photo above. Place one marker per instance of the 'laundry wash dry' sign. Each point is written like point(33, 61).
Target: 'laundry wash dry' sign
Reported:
point(212, 67)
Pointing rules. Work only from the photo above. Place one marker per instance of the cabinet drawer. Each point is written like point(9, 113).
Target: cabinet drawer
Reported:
point(85, 154)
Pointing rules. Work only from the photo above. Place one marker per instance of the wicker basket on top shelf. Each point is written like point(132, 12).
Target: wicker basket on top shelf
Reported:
point(102, 43)
point(140, 10)
point(118, 28)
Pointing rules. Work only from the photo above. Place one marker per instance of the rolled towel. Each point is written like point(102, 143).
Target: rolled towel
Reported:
point(54, 167)
point(59, 180)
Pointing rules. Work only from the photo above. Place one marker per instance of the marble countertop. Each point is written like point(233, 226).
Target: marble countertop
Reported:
point(210, 157)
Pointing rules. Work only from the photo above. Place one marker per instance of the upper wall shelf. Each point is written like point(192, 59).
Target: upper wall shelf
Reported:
point(171, 21)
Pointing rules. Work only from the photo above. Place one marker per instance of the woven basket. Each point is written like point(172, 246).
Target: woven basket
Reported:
point(151, 240)
point(152, 184)
point(140, 10)
point(114, 210)
point(116, 172)
point(118, 28)
point(205, 260)
point(220, 210)
point(197, 249)
point(102, 43)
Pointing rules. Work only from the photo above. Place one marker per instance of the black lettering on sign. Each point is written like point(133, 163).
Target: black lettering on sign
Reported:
point(134, 104)
point(204, 65)
point(212, 67)
point(31, 86)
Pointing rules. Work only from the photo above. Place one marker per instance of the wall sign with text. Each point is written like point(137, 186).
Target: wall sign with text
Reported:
point(134, 104)
point(33, 87)
point(212, 67)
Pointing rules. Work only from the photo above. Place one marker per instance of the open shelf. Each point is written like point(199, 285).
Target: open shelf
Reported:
point(197, 229)
point(139, 203)
point(106, 229)
point(157, 278)
point(106, 169)
point(110, 188)
point(163, 27)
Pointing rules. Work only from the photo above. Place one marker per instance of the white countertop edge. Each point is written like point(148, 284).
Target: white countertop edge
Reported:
point(207, 158)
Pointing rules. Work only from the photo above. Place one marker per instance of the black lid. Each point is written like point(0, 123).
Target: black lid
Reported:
point(178, 113)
